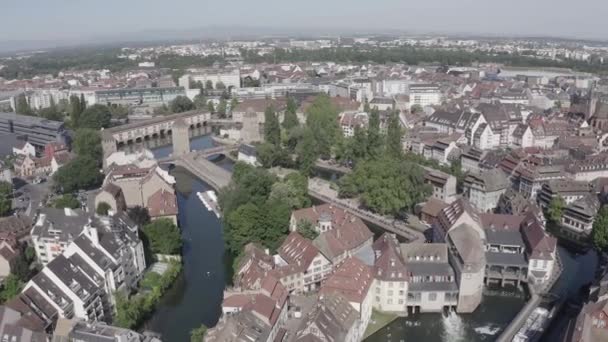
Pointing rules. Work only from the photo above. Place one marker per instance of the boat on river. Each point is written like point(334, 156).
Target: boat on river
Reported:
point(209, 199)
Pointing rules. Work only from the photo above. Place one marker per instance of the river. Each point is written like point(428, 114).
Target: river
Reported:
point(197, 295)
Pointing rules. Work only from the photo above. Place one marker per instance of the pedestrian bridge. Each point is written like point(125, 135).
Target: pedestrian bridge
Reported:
point(196, 162)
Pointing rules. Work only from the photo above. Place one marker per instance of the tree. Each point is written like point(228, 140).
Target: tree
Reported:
point(416, 108)
point(83, 103)
point(198, 334)
point(181, 104)
point(233, 104)
point(52, 112)
point(209, 85)
point(103, 208)
point(556, 209)
point(119, 111)
point(139, 215)
point(322, 120)
point(22, 106)
point(200, 102)
point(95, 117)
point(80, 173)
point(374, 139)
point(87, 142)
point(221, 108)
point(75, 110)
point(10, 288)
point(386, 185)
point(307, 150)
point(291, 118)
point(293, 191)
point(272, 129)
point(359, 144)
point(219, 85)
point(66, 201)
point(6, 198)
point(307, 230)
point(394, 146)
point(599, 234)
point(210, 107)
point(164, 236)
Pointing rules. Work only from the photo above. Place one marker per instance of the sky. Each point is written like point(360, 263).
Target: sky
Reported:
point(90, 20)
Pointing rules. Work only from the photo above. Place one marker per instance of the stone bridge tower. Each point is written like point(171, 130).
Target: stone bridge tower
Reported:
point(180, 137)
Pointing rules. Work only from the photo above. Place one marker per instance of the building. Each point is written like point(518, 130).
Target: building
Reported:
point(424, 95)
point(341, 235)
point(54, 230)
point(353, 280)
point(541, 251)
point(39, 131)
point(105, 258)
point(299, 265)
point(163, 205)
point(8, 258)
point(443, 184)
point(22, 327)
point(484, 190)
point(466, 255)
point(138, 184)
point(229, 78)
point(432, 283)
point(577, 219)
point(14, 229)
point(153, 97)
point(349, 121)
point(391, 275)
point(268, 303)
point(248, 154)
point(25, 148)
point(81, 331)
point(569, 190)
point(331, 319)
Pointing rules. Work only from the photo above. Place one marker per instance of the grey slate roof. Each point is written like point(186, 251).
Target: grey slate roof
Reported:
point(506, 259)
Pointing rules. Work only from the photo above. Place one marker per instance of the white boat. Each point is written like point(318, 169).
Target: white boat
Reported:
point(209, 199)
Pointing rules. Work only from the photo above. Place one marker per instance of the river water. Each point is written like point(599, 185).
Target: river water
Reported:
point(196, 297)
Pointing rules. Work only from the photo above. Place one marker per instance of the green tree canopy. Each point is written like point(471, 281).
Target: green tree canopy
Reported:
point(200, 102)
point(80, 173)
point(181, 104)
point(394, 146)
point(600, 230)
point(87, 142)
point(291, 118)
point(292, 190)
point(164, 236)
point(103, 208)
point(272, 129)
point(11, 287)
point(307, 150)
point(322, 120)
point(6, 198)
point(386, 185)
point(307, 230)
point(198, 334)
point(139, 215)
point(95, 117)
point(374, 139)
point(22, 106)
point(66, 201)
point(221, 108)
point(556, 209)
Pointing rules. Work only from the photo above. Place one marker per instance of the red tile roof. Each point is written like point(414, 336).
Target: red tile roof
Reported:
point(352, 279)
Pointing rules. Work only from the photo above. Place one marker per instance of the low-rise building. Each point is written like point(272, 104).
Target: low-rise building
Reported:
point(353, 280)
point(391, 275)
point(248, 154)
point(578, 217)
point(432, 283)
point(484, 190)
point(331, 319)
point(443, 184)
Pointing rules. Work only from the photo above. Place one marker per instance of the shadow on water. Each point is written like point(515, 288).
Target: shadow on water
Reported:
point(196, 297)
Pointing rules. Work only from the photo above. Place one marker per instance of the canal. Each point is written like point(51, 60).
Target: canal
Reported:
point(196, 297)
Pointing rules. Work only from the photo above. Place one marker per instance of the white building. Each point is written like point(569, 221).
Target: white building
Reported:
point(424, 95)
point(230, 79)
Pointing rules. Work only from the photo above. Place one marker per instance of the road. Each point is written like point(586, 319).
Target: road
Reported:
point(29, 197)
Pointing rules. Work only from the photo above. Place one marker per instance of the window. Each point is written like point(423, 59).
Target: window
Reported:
point(390, 301)
point(400, 301)
point(390, 292)
point(432, 297)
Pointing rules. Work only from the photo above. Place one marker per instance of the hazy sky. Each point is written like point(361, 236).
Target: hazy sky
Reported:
point(84, 19)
